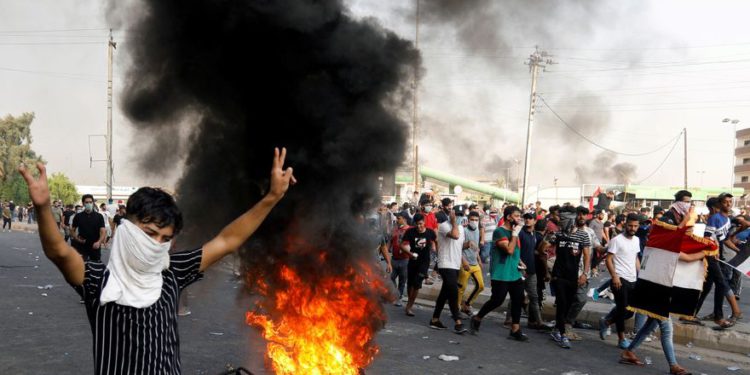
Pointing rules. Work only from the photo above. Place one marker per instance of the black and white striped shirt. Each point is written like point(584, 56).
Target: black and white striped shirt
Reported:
point(128, 340)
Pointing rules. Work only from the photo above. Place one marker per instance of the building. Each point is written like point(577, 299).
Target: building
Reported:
point(100, 192)
point(742, 160)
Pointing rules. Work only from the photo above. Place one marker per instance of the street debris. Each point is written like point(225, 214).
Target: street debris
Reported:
point(448, 358)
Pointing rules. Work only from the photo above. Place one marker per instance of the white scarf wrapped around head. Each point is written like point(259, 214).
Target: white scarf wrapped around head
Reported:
point(135, 267)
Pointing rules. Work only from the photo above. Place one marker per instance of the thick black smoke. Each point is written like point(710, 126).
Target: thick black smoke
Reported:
point(605, 169)
point(220, 83)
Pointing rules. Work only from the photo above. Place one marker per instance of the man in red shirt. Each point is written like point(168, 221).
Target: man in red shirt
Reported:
point(400, 258)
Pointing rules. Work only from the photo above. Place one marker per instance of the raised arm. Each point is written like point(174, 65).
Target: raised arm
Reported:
point(67, 260)
point(238, 231)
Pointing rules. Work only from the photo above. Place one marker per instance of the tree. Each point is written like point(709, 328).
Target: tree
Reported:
point(15, 148)
point(61, 188)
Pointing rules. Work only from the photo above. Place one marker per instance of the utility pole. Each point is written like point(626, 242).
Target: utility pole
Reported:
point(684, 138)
point(415, 117)
point(538, 59)
point(111, 45)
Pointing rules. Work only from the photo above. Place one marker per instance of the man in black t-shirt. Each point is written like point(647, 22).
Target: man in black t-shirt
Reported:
point(89, 233)
point(571, 268)
point(418, 242)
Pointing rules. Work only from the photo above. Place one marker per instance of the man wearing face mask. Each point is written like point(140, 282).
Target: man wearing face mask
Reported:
point(89, 231)
point(131, 302)
point(470, 264)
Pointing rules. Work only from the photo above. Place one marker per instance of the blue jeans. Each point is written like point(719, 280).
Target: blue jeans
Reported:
point(484, 252)
point(399, 272)
point(666, 337)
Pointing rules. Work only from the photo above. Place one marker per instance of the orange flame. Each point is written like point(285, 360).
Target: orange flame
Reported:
point(321, 327)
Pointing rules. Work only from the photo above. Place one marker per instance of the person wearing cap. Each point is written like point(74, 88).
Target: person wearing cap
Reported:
point(450, 244)
point(581, 296)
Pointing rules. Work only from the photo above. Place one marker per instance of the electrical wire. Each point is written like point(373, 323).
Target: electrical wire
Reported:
point(589, 140)
point(663, 161)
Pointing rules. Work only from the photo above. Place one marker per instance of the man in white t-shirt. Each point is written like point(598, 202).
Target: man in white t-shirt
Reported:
point(623, 265)
point(450, 241)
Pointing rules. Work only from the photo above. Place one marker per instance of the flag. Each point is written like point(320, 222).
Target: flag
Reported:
point(591, 200)
point(741, 261)
point(667, 285)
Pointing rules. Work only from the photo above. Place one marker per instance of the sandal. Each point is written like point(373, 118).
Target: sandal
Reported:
point(694, 322)
point(724, 323)
point(677, 370)
point(409, 313)
point(629, 358)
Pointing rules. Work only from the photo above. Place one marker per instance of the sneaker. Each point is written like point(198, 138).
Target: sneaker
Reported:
point(603, 328)
point(624, 344)
point(474, 325)
point(437, 324)
point(459, 329)
point(561, 340)
point(565, 343)
point(398, 303)
point(593, 294)
point(556, 336)
point(518, 336)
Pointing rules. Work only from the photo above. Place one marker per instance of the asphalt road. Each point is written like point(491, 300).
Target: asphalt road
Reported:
point(45, 331)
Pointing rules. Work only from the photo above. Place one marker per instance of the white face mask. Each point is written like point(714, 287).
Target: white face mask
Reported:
point(427, 209)
point(135, 267)
point(473, 224)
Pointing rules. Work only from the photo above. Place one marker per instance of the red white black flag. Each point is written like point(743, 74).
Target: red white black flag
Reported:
point(666, 285)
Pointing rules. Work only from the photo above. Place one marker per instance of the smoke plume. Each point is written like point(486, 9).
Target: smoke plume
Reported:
point(605, 169)
point(218, 84)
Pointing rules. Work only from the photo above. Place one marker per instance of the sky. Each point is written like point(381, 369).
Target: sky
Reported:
point(628, 76)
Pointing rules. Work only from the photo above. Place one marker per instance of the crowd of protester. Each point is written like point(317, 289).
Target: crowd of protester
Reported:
point(530, 252)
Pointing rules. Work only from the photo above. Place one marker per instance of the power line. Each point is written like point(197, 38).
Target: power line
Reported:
point(574, 130)
point(677, 139)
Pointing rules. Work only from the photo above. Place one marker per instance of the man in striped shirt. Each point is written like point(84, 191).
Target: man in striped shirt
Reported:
point(132, 309)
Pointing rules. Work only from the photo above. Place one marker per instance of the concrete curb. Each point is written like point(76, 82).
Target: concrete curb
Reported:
point(24, 227)
point(734, 340)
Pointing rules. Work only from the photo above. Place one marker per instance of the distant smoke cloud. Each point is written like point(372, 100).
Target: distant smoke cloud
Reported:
point(605, 169)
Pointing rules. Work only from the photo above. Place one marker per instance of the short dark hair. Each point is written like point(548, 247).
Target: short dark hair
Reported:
point(83, 198)
point(723, 196)
point(712, 202)
point(392, 204)
point(473, 214)
point(446, 201)
point(582, 210)
point(529, 215)
point(682, 194)
point(153, 205)
point(510, 210)
point(634, 217)
point(417, 218)
point(620, 219)
point(555, 208)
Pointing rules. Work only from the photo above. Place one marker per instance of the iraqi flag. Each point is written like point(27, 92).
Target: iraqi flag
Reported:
point(667, 285)
point(741, 261)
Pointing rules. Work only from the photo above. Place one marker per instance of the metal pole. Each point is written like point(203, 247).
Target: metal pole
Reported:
point(532, 103)
point(415, 119)
point(110, 171)
point(734, 148)
point(684, 138)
